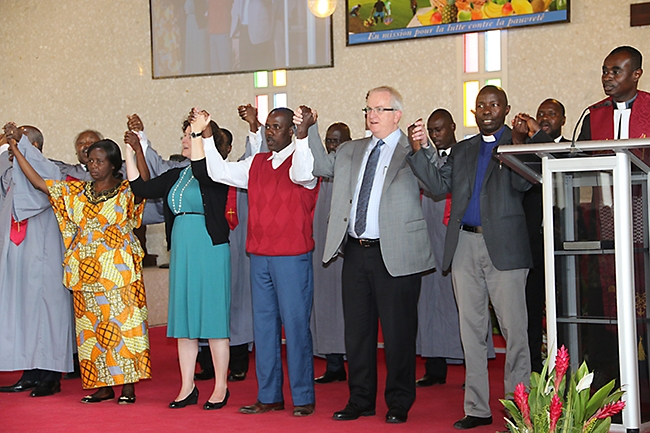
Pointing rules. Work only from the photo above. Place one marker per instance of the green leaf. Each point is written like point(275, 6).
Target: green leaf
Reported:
point(596, 401)
point(602, 426)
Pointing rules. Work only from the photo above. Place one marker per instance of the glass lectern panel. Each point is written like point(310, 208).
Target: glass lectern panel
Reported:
point(585, 274)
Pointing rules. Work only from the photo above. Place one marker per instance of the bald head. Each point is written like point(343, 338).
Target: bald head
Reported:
point(34, 136)
point(336, 134)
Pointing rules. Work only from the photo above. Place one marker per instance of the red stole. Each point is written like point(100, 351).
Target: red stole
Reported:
point(601, 117)
point(18, 231)
point(231, 208)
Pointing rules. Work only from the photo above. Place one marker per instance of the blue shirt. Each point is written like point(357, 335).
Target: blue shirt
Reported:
point(472, 215)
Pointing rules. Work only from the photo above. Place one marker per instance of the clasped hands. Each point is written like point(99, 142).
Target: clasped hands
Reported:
point(303, 118)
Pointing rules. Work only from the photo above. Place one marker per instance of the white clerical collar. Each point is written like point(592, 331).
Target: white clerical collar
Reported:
point(626, 105)
point(489, 138)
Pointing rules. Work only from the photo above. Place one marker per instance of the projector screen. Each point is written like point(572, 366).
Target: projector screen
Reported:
point(202, 37)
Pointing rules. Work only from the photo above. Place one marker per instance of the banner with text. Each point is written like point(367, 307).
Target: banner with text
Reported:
point(391, 20)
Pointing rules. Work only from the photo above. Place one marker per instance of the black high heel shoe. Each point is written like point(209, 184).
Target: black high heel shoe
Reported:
point(193, 398)
point(218, 405)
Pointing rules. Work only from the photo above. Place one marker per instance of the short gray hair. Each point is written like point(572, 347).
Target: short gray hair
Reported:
point(396, 101)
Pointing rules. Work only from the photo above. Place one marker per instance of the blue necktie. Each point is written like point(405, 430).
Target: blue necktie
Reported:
point(366, 187)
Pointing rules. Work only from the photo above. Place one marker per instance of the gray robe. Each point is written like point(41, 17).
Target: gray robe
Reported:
point(36, 326)
point(438, 325)
point(327, 312)
point(241, 303)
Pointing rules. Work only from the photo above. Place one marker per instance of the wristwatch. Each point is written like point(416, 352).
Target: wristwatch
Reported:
point(195, 134)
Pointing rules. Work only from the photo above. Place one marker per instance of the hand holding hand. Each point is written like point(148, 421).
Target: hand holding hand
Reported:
point(304, 117)
point(248, 114)
point(199, 120)
point(12, 132)
point(134, 123)
point(417, 135)
point(133, 141)
point(519, 129)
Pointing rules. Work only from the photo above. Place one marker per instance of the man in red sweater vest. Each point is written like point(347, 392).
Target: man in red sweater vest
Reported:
point(282, 195)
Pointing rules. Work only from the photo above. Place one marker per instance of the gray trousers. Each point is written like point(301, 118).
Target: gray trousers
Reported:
point(476, 282)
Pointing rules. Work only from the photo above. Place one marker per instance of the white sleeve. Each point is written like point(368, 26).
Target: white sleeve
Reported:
point(222, 171)
point(255, 139)
point(302, 165)
point(144, 141)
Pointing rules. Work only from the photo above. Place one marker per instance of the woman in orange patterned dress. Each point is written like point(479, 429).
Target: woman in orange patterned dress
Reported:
point(102, 268)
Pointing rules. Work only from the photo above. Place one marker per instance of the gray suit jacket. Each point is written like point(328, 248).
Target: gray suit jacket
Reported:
point(502, 214)
point(405, 245)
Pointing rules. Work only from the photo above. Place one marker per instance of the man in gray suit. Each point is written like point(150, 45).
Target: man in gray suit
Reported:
point(487, 240)
point(376, 218)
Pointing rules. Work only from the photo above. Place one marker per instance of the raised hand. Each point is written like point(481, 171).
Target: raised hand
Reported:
point(134, 123)
point(417, 135)
point(12, 132)
point(133, 141)
point(303, 118)
point(248, 114)
point(199, 120)
point(519, 128)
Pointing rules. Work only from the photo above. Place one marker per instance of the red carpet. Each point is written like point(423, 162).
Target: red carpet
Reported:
point(435, 409)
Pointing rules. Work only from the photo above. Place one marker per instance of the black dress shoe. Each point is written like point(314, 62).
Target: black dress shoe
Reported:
point(204, 375)
point(218, 405)
point(49, 387)
point(396, 415)
point(430, 380)
point(471, 422)
point(94, 398)
point(237, 376)
point(332, 376)
point(193, 398)
point(351, 412)
point(20, 386)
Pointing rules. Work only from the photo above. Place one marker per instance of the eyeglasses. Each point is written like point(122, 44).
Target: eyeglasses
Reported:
point(377, 110)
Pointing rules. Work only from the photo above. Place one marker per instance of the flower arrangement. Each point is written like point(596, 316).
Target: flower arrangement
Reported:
point(551, 406)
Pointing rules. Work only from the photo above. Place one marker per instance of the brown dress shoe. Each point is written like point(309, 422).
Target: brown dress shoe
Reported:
point(260, 407)
point(305, 410)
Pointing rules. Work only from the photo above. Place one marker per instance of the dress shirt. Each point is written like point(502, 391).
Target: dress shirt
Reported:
point(372, 219)
point(472, 215)
point(622, 111)
point(237, 173)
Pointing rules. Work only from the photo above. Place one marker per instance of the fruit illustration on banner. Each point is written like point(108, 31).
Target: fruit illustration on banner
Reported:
point(522, 7)
point(449, 12)
point(436, 17)
point(477, 14)
point(538, 5)
point(464, 16)
point(506, 9)
point(492, 9)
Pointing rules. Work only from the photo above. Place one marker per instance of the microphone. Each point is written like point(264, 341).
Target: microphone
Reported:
point(584, 112)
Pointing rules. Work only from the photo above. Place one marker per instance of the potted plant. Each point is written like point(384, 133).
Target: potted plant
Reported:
point(552, 406)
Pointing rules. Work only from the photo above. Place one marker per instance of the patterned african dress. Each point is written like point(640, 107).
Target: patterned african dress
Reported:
point(102, 268)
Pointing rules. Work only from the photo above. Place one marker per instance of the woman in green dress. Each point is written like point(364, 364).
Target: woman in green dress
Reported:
point(199, 272)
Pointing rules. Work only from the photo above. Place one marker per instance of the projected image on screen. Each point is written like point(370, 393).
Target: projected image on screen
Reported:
point(198, 37)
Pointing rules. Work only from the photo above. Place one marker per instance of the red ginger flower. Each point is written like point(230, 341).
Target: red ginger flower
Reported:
point(555, 410)
point(521, 400)
point(609, 409)
point(561, 366)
